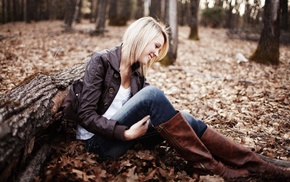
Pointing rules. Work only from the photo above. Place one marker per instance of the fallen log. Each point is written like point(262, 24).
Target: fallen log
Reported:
point(26, 112)
point(31, 111)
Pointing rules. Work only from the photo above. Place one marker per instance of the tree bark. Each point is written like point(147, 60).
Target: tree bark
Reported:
point(3, 20)
point(183, 15)
point(118, 13)
point(139, 9)
point(94, 5)
point(267, 51)
point(101, 18)
point(284, 14)
point(155, 9)
point(70, 14)
point(171, 20)
point(229, 14)
point(26, 113)
point(8, 10)
point(193, 24)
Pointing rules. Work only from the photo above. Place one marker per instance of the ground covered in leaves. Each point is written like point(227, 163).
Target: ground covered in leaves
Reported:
point(247, 102)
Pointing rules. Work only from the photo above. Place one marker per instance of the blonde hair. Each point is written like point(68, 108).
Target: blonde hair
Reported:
point(138, 35)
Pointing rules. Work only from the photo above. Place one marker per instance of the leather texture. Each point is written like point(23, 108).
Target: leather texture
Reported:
point(236, 154)
point(99, 87)
point(182, 137)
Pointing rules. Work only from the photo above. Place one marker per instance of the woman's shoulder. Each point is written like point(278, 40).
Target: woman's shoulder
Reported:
point(108, 57)
point(111, 55)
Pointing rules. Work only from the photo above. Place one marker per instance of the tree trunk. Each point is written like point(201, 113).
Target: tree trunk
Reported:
point(193, 24)
point(139, 9)
point(79, 11)
point(101, 18)
point(3, 20)
point(267, 51)
point(8, 10)
point(230, 15)
point(183, 13)
point(70, 14)
point(155, 9)
point(26, 10)
point(76, 13)
point(284, 14)
point(171, 20)
point(247, 15)
point(118, 13)
point(94, 6)
point(26, 113)
point(112, 12)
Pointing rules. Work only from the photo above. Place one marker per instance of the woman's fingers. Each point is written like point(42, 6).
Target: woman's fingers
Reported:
point(138, 129)
point(145, 120)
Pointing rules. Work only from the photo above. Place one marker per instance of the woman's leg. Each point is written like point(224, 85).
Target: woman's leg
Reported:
point(185, 141)
point(236, 154)
point(148, 101)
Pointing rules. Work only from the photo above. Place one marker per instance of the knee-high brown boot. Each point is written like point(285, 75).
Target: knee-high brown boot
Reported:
point(238, 155)
point(181, 136)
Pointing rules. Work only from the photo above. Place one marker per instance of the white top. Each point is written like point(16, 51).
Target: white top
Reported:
point(121, 98)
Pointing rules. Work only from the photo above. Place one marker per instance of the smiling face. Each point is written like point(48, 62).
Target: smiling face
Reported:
point(151, 50)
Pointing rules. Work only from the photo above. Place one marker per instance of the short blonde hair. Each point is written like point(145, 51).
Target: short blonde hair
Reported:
point(138, 35)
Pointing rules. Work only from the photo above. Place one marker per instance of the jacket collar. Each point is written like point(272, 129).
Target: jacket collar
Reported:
point(113, 56)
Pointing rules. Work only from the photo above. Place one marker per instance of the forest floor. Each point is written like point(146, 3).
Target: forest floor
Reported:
point(247, 102)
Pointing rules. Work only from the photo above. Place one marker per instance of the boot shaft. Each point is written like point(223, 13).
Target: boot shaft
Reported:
point(179, 134)
point(239, 156)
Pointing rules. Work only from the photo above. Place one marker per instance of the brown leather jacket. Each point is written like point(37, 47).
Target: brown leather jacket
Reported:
point(101, 84)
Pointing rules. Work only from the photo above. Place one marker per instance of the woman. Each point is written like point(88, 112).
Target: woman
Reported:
point(117, 109)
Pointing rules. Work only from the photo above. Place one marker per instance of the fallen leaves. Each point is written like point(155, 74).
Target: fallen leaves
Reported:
point(247, 102)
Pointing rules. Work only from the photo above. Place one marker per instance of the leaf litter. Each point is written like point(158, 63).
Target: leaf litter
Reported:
point(211, 79)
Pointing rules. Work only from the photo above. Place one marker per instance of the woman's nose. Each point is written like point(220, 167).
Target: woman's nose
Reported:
point(156, 53)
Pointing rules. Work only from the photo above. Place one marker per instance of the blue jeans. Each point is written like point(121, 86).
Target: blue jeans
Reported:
point(148, 101)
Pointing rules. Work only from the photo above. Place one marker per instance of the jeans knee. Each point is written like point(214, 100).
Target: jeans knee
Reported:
point(152, 89)
point(152, 92)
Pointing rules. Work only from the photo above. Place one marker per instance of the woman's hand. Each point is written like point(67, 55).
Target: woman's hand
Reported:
point(138, 129)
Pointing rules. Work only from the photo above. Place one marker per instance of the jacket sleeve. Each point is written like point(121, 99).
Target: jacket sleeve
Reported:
point(92, 89)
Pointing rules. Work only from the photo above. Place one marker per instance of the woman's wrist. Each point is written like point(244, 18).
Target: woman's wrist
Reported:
point(127, 135)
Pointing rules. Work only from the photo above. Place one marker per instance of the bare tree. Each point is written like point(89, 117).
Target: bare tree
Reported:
point(3, 16)
point(139, 9)
point(155, 9)
point(284, 14)
point(72, 12)
point(267, 51)
point(171, 20)
point(101, 17)
point(183, 13)
point(193, 23)
point(29, 11)
point(118, 13)
point(229, 13)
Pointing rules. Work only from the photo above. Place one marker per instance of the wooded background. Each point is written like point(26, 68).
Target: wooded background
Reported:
point(243, 17)
point(30, 113)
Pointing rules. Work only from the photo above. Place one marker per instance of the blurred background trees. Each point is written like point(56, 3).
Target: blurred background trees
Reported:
point(243, 18)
